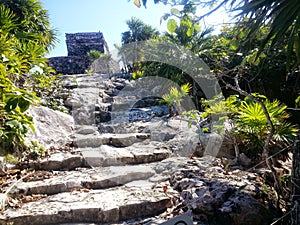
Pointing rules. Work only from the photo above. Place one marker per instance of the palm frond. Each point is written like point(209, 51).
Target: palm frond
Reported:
point(283, 16)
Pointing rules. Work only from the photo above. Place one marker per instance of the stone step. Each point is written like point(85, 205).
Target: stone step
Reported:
point(138, 114)
point(117, 140)
point(120, 128)
point(91, 206)
point(58, 161)
point(86, 129)
point(137, 153)
point(86, 178)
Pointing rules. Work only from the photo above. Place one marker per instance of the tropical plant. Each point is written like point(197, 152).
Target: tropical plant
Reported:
point(258, 63)
point(25, 37)
point(138, 31)
point(282, 15)
point(28, 21)
point(174, 98)
point(184, 29)
point(94, 55)
point(137, 74)
point(250, 124)
point(14, 122)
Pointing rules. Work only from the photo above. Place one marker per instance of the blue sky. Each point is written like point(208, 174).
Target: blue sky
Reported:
point(107, 16)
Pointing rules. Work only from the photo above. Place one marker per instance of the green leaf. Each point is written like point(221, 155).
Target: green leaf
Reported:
point(23, 104)
point(12, 124)
point(190, 31)
point(172, 25)
point(11, 104)
point(197, 27)
point(175, 11)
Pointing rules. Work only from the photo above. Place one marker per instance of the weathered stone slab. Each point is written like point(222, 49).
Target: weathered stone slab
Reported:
point(86, 129)
point(90, 140)
point(58, 161)
point(151, 152)
point(107, 156)
point(137, 153)
point(123, 140)
point(97, 178)
point(117, 140)
point(96, 206)
point(52, 128)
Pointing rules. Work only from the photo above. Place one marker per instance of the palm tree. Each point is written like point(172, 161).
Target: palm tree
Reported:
point(138, 31)
point(31, 22)
point(283, 16)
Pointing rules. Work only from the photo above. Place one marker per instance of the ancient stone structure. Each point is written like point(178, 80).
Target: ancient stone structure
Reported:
point(78, 45)
point(70, 64)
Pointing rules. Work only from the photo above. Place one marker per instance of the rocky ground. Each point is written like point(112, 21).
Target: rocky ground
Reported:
point(127, 162)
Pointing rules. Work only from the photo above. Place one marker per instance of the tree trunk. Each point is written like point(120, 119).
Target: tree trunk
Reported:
point(296, 183)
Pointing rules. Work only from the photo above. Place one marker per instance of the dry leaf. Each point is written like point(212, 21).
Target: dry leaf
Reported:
point(137, 3)
point(165, 188)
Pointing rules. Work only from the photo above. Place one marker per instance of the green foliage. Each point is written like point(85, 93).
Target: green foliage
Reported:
point(184, 29)
point(14, 122)
point(283, 16)
point(184, 33)
point(25, 37)
point(47, 87)
point(36, 150)
point(192, 115)
point(137, 74)
point(284, 19)
point(175, 96)
point(249, 121)
point(297, 101)
point(29, 22)
point(94, 55)
point(138, 31)
point(253, 125)
point(231, 58)
point(172, 25)
point(9, 158)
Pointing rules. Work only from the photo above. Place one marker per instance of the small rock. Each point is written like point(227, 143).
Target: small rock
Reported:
point(86, 129)
point(245, 160)
point(73, 102)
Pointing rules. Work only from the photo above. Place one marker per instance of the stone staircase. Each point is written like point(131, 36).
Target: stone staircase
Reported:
point(114, 174)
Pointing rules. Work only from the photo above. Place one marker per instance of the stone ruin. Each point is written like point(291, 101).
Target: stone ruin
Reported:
point(78, 45)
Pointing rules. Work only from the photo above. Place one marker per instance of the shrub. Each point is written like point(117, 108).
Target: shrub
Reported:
point(25, 38)
point(175, 96)
point(249, 123)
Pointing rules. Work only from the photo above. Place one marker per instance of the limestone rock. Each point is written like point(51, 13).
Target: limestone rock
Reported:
point(100, 206)
point(244, 160)
point(52, 128)
point(95, 178)
point(85, 129)
point(210, 195)
point(58, 161)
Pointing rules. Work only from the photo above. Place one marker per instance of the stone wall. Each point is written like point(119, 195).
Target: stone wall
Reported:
point(69, 64)
point(79, 44)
